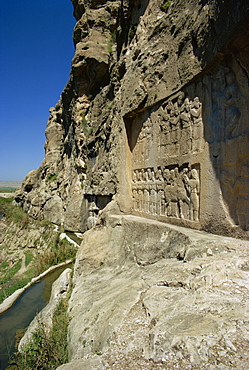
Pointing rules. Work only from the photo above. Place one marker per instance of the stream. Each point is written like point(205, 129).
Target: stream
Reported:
point(19, 316)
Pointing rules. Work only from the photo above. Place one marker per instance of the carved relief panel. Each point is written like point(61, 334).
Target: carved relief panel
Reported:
point(167, 191)
point(205, 123)
point(181, 127)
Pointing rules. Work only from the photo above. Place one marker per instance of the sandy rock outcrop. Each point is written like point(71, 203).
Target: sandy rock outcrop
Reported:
point(154, 114)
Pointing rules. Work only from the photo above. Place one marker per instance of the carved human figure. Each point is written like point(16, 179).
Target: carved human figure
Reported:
point(153, 199)
point(140, 198)
point(134, 199)
point(160, 191)
point(92, 220)
point(148, 139)
point(186, 123)
point(149, 174)
point(232, 113)
point(175, 131)
point(165, 136)
point(197, 128)
point(194, 190)
point(166, 175)
point(134, 177)
point(146, 199)
point(183, 194)
point(218, 103)
point(241, 189)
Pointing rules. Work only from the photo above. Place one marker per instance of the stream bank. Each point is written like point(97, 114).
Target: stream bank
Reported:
point(31, 301)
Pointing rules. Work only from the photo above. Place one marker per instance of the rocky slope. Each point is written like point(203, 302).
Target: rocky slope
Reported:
point(152, 128)
point(152, 296)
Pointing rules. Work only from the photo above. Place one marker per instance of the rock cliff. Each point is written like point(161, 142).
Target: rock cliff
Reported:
point(148, 148)
point(154, 115)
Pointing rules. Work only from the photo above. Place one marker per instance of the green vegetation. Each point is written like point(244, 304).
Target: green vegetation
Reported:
point(87, 130)
point(109, 106)
point(28, 257)
point(13, 213)
point(111, 41)
point(11, 272)
point(132, 31)
point(52, 177)
point(7, 190)
point(47, 350)
point(166, 5)
point(10, 289)
point(4, 265)
point(59, 251)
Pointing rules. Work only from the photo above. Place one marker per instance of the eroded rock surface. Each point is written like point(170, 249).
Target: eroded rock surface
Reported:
point(154, 114)
point(149, 295)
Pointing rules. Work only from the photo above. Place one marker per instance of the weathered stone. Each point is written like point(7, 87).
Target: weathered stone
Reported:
point(140, 303)
point(91, 363)
point(160, 93)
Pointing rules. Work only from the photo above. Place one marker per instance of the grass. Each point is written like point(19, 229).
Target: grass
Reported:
point(47, 350)
point(6, 291)
point(11, 272)
point(7, 190)
point(57, 250)
point(4, 265)
point(166, 5)
point(28, 257)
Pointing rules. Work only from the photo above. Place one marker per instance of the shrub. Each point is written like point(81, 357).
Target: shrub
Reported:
point(59, 251)
point(47, 350)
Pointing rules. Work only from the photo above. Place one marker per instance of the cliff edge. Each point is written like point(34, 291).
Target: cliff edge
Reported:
point(154, 115)
point(147, 153)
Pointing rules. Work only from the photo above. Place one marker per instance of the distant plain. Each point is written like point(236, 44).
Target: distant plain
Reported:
point(8, 185)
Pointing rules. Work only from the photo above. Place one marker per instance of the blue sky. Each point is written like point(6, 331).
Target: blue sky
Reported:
point(36, 49)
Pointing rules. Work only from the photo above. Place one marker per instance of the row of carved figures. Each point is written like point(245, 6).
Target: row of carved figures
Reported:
point(181, 129)
point(181, 125)
point(167, 192)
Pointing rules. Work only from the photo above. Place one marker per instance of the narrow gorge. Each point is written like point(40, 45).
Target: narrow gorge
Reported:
point(147, 154)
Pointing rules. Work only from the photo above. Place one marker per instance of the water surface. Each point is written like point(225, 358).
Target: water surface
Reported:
point(22, 313)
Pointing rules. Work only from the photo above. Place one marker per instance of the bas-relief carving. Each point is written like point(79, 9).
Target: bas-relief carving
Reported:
point(228, 138)
point(176, 128)
point(144, 143)
point(181, 127)
point(236, 189)
point(167, 192)
point(225, 118)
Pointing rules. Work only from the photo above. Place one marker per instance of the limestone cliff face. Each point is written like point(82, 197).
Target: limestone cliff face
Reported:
point(155, 115)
